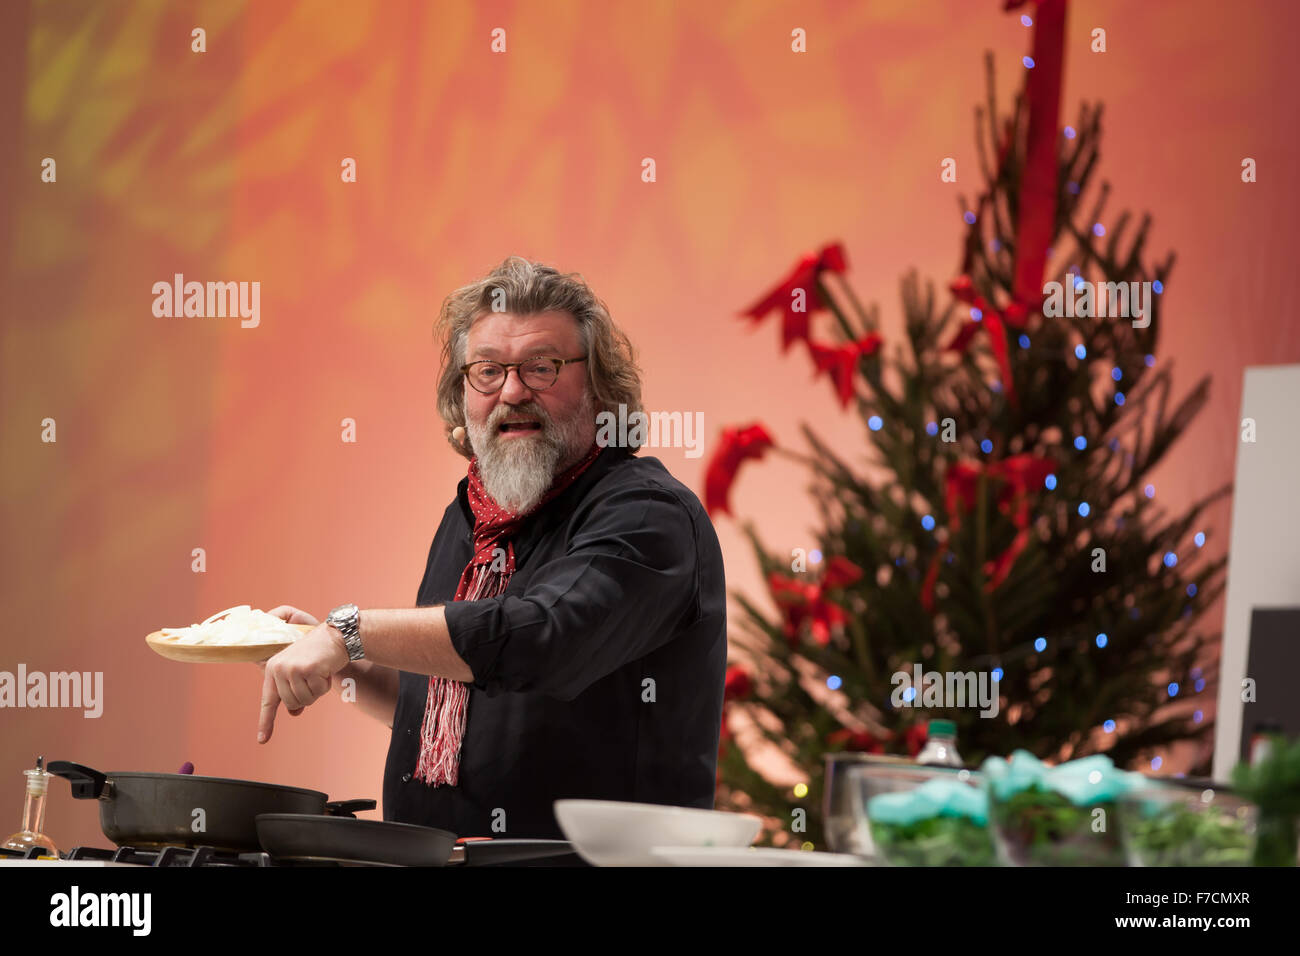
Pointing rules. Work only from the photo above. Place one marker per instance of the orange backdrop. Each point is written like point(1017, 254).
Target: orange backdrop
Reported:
point(175, 434)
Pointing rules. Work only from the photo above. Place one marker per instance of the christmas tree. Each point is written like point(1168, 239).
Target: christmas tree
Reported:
point(1017, 536)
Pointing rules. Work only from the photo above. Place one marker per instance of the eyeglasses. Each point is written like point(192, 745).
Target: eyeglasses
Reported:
point(537, 373)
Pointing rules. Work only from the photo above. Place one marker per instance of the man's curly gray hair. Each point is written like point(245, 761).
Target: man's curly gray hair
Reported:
point(523, 288)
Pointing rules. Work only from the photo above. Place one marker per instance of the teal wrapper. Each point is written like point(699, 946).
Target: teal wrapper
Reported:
point(934, 798)
point(1087, 781)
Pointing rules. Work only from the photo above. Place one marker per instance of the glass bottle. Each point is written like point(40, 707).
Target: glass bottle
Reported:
point(940, 748)
point(38, 784)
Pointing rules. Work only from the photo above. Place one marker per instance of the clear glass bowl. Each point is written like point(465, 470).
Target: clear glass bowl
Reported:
point(839, 817)
point(1040, 827)
point(1187, 825)
point(936, 841)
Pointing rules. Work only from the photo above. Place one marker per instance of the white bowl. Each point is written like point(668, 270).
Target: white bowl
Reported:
point(614, 833)
point(751, 856)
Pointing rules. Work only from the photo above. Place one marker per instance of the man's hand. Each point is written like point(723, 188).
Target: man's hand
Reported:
point(302, 672)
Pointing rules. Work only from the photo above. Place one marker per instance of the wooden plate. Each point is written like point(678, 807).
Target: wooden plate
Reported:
point(217, 653)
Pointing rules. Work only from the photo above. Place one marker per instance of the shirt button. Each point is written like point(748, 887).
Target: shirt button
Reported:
point(406, 778)
point(409, 731)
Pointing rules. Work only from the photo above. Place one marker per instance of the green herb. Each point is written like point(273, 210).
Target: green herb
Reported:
point(1037, 827)
point(936, 841)
point(1274, 785)
point(1180, 836)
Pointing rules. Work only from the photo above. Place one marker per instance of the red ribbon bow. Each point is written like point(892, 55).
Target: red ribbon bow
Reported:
point(734, 447)
point(1037, 199)
point(1019, 475)
point(794, 324)
point(993, 320)
point(807, 602)
point(842, 361)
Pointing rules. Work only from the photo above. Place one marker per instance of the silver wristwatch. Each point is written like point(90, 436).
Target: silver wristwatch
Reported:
point(347, 619)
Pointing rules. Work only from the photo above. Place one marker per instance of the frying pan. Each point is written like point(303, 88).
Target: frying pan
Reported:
point(163, 809)
point(314, 838)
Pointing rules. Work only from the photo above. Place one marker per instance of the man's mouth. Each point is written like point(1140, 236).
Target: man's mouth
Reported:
point(519, 426)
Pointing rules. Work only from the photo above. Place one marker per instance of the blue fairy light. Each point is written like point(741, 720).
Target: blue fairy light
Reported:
point(1196, 672)
point(909, 694)
point(927, 522)
point(833, 682)
point(1170, 559)
point(1024, 341)
point(898, 562)
point(1073, 187)
point(1191, 590)
point(995, 245)
point(1102, 639)
point(1149, 491)
point(1113, 444)
point(1040, 645)
point(997, 673)
point(1119, 398)
point(1080, 352)
point(1026, 20)
point(986, 446)
point(1080, 442)
point(1028, 62)
point(1157, 287)
point(1069, 132)
point(875, 423)
point(1050, 482)
point(1199, 539)
point(1109, 726)
point(1098, 229)
point(1078, 283)
point(932, 428)
point(1084, 509)
point(1150, 361)
point(969, 217)
point(976, 314)
point(1173, 689)
point(1155, 763)
point(815, 556)
point(1197, 717)
point(1200, 685)
point(1116, 374)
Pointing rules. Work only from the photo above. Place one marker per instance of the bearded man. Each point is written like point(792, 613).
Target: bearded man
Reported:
point(569, 634)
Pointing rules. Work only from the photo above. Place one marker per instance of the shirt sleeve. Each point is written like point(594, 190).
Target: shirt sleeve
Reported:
point(616, 594)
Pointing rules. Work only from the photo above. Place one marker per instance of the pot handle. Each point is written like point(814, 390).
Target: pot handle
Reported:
point(87, 784)
point(347, 808)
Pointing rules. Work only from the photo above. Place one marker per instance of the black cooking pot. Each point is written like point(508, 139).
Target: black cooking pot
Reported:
point(178, 809)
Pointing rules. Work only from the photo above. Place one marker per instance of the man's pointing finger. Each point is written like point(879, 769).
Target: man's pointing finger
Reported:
point(270, 701)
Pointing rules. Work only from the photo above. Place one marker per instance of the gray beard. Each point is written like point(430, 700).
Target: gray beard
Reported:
point(517, 472)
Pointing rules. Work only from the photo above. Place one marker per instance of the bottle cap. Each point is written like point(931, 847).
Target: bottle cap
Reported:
point(38, 780)
point(942, 728)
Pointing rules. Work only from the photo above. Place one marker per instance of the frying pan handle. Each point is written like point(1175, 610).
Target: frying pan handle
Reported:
point(345, 808)
point(87, 784)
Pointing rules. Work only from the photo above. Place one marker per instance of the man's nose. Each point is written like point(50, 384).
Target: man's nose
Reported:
point(514, 391)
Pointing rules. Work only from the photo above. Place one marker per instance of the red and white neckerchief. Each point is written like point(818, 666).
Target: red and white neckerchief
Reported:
point(443, 728)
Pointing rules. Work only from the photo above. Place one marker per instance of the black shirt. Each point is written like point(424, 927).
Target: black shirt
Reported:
point(598, 673)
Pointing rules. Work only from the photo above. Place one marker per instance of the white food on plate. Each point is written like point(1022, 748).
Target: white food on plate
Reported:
point(236, 625)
